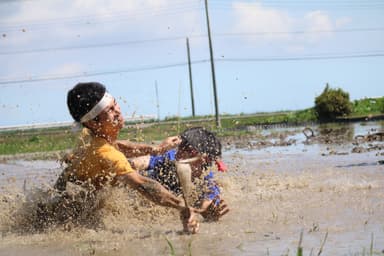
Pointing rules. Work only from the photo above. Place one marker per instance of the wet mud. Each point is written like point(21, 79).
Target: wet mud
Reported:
point(280, 184)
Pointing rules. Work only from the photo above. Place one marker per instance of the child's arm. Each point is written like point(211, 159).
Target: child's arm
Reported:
point(149, 162)
point(131, 149)
point(140, 163)
point(213, 210)
point(212, 205)
point(155, 192)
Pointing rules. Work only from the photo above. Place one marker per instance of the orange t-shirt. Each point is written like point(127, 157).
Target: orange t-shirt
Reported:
point(98, 162)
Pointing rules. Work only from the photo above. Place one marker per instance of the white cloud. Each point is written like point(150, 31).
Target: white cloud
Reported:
point(318, 20)
point(319, 26)
point(254, 18)
point(58, 70)
point(68, 68)
point(341, 22)
point(67, 20)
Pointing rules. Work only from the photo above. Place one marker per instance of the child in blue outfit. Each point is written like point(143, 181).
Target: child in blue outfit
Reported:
point(156, 170)
point(201, 145)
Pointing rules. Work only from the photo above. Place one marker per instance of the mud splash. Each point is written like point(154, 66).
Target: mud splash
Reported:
point(274, 193)
point(43, 210)
point(272, 200)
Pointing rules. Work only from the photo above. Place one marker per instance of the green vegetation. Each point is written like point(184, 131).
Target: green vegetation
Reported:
point(171, 247)
point(36, 140)
point(60, 139)
point(332, 103)
point(373, 106)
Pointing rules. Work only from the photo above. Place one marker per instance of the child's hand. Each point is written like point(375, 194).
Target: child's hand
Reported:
point(216, 209)
point(169, 143)
point(189, 219)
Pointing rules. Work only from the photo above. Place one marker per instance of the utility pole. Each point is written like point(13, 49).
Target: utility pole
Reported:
point(218, 123)
point(157, 101)
point(190, 78)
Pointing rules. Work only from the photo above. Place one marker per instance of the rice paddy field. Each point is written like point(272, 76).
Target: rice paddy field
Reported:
point(289, 194)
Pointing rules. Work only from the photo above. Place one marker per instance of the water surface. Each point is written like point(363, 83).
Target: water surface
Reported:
point(274, 193)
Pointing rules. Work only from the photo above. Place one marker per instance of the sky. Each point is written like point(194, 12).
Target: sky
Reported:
point(269, 55)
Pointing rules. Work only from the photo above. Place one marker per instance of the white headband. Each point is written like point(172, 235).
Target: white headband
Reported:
point(96, 110)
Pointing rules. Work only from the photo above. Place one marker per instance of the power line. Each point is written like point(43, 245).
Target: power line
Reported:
point(87, 46)
point(7, 82)
point(120, 16)
point(303, 32)
point(307, 2)
point(13, 1)
point(88, 74)
point(87, 22)
point(223, 7)
point(302, 58)
point(122, 43)
point(342, 4)
point(177, 8)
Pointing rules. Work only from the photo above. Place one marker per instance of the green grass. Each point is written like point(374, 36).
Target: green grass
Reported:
point(57, 139)
point(366, 106)
point(36, 141)
point(171, 247)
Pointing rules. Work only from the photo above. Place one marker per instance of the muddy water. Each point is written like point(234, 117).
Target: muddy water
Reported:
point(274, 192)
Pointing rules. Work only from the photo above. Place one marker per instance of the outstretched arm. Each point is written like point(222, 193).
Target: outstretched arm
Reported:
point(151, 189)
point(155, 192)
point(212, 206)
point(140, 163)
point(131, 149)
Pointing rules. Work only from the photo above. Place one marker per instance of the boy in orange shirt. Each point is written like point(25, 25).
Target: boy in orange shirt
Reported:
point(100, 162)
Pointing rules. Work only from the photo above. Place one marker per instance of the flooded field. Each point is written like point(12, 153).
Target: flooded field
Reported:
point(328, 187)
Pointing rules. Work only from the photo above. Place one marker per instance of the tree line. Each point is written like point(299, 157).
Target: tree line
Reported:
point(334, 102)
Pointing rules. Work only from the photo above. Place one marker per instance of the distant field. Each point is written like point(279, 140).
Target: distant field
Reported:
point(62, 138)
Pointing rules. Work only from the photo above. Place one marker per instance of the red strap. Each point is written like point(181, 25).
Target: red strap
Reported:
point(221, 166)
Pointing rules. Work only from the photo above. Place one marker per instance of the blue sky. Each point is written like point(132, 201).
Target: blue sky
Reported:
point(269, 55)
